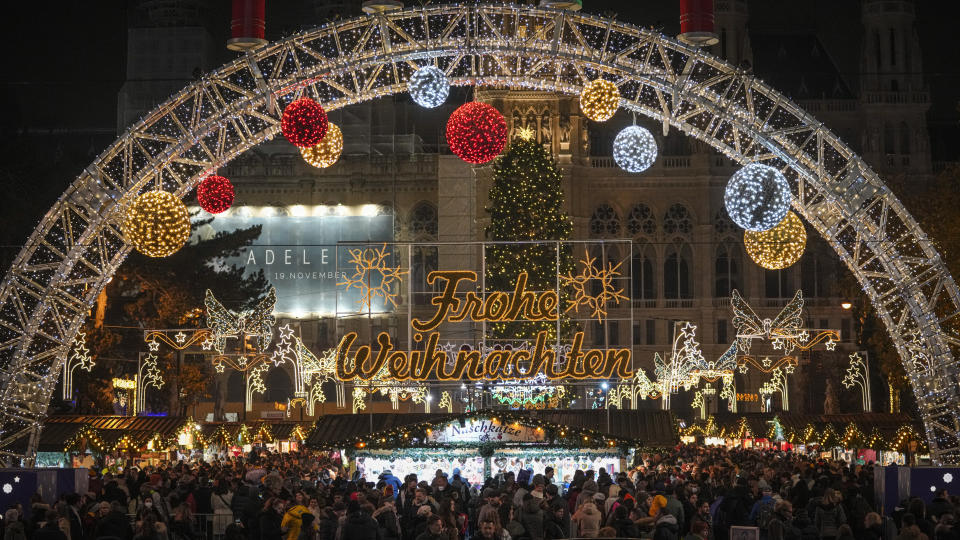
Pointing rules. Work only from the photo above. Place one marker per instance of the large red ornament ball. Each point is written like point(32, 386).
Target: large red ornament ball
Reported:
point(304, 123)
point(476, 132)
point(215, 194)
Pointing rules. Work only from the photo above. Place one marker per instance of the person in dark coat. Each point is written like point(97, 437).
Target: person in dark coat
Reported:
point(51, 529)
point(531, 517)
point(115, 524)
point(76, 521)
point(271, 518)
point(359, 525)
point(625, 526)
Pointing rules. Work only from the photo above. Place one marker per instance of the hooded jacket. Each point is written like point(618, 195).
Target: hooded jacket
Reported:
point(531, 517)
point(588, 520)
point(666, 528)
point(292, 520)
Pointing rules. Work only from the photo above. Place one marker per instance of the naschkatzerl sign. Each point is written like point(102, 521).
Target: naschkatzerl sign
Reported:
point(299, 255)
point(481, 430)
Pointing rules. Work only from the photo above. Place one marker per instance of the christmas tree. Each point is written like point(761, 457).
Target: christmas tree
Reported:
point(526, 204)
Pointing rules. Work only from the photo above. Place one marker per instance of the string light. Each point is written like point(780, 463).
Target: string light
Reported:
point(778, 247)
point(215, 194)
point(757, 197)
point(304, 123)
point(429, 87)
point(599, 100)
point(327, 151)
point(476, 132)
point(634, 149)
point(157, 224)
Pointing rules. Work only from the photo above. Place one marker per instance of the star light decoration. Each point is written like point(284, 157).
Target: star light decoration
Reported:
point(476, 132)
point(429, 87)
point(757, 197)
point(599, 100)
point(373, 277)
point(779, 247)
point(580, 283)
point(634, 149)
point(310, 371)
point(856, 375)
point(79, 358)
point(327, 151)
point(157, 224)
point(304, 123)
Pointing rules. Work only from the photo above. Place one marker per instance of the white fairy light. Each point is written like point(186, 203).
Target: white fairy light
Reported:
point(757, 197)
point(634, 149)
point(429, 86)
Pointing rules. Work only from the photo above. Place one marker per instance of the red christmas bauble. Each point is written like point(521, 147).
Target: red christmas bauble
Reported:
point(476, 132)
point(304, 123)
point(215, 194)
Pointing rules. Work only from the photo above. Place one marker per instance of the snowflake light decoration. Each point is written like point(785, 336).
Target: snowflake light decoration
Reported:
point(580, 284)
point(373, 277)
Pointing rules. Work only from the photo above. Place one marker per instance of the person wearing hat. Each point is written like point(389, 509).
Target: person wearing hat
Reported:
point(391, 480)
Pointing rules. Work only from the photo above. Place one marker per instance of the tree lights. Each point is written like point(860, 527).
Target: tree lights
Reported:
point(634, 149)
point(757, 197)
point(326, 152)
point(215, 194)
point(304, 123)
point(778, 247)
point(429, 87)
point(157, 224)
point(476, 132)
point(599, 100)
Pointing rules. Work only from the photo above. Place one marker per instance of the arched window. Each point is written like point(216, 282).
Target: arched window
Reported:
point(722, 225)
point(904, 138)
point(423, 222)
point(777, 284)
point(677, 221)
point(726, 271)
point(604, 223)
point(279, 386)
point(676, 273)
point(425, 260)
point(889, 140)
point(641, 221)
point(644, 286)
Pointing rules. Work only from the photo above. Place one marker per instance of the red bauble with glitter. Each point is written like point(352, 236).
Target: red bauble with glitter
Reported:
point(476, 132)
point(304, 123)
point(215, 194)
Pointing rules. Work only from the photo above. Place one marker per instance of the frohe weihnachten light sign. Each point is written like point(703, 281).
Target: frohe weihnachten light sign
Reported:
point(361, 362)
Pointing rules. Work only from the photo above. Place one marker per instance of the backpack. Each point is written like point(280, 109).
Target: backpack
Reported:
point(764, 515)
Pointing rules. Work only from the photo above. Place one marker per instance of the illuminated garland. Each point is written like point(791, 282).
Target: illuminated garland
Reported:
point(476, 132)
point(757, 197)
point(326, 152)
point(215, 194)
point(304, 123)
point(599, 100)
point(157, 224)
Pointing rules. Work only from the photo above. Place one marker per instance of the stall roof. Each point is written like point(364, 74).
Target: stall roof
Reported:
point(648, 428)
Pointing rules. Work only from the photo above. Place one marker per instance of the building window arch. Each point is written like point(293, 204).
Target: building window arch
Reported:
point(641, 221)
point(643, 283)
point(605, 222)
point(676, 272)
point(423, 222)
point(726, 271)
point(904, 138)
point(677, 221)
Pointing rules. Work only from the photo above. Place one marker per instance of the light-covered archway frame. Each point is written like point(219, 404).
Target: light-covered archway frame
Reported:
point(78, 245)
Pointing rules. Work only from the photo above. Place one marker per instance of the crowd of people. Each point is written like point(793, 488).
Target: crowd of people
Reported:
point(693, 493)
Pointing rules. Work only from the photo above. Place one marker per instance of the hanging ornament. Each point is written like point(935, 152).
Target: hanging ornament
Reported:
point(304, 123)
point(757, 197)
point(327, 152)
point(634, 149)
point(476, 132)
point(778, 247)
point(429, 86)
point(215, 194)
point(599, 100)
point(157, 224)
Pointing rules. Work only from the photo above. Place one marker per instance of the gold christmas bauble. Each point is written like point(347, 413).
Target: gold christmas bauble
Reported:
point(157, 224)
point(778, 247)
point(327, 151)
point(599, 100)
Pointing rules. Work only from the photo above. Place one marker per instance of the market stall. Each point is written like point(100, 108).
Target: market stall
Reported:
point(486, 443)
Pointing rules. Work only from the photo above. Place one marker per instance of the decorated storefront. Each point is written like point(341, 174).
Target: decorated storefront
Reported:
point(487, 443)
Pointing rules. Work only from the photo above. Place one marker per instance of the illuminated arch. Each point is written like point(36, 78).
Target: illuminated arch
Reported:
point(78, 245)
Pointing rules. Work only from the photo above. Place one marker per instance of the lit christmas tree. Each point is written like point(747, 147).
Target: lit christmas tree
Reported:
point(526, 203)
